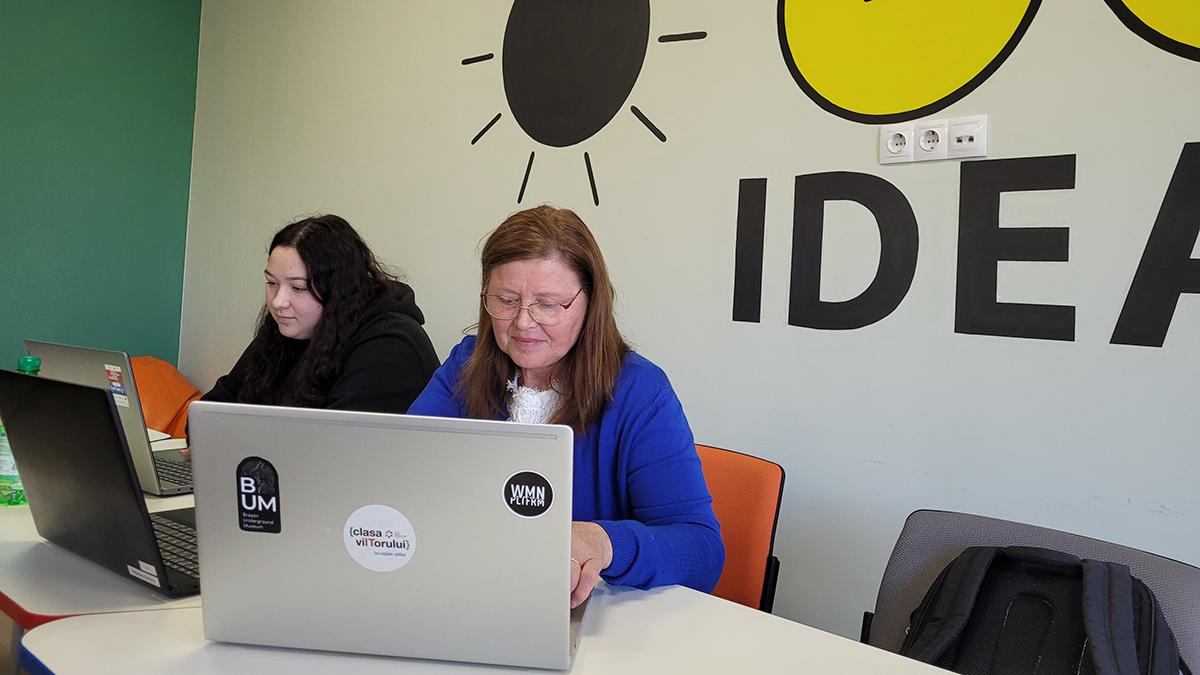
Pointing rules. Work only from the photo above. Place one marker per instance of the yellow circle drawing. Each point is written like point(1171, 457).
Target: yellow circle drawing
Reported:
point(1170, 25)
point(879, 61)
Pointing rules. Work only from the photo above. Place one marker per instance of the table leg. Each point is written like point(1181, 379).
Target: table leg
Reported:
point(14, 649)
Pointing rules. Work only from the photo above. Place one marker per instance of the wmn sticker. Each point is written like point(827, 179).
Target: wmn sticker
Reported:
point(258, 495)
point(528, 494)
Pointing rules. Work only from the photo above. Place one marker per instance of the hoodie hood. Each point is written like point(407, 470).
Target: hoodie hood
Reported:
point(398, 298)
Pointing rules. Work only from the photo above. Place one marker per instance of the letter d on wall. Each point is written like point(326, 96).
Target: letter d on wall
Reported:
point(898, 241)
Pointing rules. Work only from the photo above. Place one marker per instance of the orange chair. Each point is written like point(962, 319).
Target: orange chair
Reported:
point(165, 394)
point(746, 493)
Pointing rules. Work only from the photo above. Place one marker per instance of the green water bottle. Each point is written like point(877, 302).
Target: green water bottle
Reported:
point(12, 493)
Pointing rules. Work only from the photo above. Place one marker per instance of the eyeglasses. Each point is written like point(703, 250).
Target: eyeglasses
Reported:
point(546, 313)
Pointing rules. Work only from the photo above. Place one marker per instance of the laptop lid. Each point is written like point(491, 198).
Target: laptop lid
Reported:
point(79, 480)
point(384, 534)
point(111, 371)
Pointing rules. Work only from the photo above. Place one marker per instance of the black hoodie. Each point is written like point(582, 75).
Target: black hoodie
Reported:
point(388, 360)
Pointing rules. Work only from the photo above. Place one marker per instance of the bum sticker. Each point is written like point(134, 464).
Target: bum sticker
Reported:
point(379, 538)
point(116, 384)
point(258, 495)
point(528, 494)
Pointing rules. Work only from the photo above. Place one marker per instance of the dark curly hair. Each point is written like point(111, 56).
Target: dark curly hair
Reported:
point(345, 277)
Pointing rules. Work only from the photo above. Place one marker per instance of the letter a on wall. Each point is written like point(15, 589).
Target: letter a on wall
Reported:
point(1167, 268)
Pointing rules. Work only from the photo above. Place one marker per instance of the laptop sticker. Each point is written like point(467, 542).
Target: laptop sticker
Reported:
point(139, 574)
point(116, 384)
point(258, 496)
point(528, 494)
point(147, 567)
point(379, 538)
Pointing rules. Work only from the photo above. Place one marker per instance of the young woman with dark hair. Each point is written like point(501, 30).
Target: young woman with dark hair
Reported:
point(336, 330)
point(547, 350)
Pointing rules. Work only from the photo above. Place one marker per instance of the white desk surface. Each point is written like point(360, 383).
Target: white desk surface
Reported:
point(47, 581)
point(625, 631)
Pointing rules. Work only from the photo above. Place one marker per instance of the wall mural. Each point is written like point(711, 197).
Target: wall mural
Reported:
point(1165, 272)
point(1170, 25)
point(869, 62)
point(569, 68)
point(834, 52)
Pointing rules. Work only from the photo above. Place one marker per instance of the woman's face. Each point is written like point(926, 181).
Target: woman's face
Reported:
point(537, 349)
point(289, 299)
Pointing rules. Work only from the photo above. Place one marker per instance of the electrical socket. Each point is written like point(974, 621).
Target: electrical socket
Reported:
point(932, 139)
point(896, 143)
point(968, 136)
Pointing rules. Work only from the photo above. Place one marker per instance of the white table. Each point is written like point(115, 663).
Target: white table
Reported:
point(625, 631)
point(40, 582)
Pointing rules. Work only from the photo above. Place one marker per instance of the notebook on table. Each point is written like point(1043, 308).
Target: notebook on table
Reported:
point(161, 468)
point(384, 534)
point(83, 494)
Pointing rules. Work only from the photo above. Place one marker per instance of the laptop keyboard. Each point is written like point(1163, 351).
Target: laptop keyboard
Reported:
point(177, 544)
point(178, 472)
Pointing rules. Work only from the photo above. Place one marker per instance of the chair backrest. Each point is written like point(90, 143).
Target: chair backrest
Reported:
point(165, 394)
point(931, 539)
point(746, 491)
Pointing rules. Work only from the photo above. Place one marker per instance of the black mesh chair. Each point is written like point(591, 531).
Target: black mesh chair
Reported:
point(931, 539)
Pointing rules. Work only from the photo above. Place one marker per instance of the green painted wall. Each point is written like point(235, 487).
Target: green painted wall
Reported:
point(97, 101)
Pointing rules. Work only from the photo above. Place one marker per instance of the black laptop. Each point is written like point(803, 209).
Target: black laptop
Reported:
point(82, 489)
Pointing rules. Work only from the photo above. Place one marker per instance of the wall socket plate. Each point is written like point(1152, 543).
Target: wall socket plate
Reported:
point(896, 143)
point(926, 140)
point(968, 136)
point(931, 139)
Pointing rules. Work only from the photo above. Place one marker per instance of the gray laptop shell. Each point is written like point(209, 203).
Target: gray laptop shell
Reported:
point(482, 583)
point(92, 368)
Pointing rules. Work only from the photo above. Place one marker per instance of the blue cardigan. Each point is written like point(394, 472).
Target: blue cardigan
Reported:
point(637, 475)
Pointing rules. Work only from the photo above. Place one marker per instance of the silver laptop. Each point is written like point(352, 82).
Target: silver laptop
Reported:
point(160, 472)
point(384, 534)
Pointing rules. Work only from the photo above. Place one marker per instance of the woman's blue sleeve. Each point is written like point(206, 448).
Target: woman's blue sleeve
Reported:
point(673, 537)
point(438, 399)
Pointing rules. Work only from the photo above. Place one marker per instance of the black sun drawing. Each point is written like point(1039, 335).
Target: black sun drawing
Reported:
point(569, 68)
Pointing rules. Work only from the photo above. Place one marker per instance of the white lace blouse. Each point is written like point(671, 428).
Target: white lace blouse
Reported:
point(529, 405)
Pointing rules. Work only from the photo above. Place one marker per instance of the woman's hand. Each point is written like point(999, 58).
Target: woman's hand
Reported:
point(591, 552)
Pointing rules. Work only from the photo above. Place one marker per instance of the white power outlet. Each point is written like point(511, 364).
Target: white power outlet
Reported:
point(896, 143)
point(968, 136)
point(932, 139)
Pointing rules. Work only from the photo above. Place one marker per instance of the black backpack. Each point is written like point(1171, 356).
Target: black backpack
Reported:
point(1031, 610)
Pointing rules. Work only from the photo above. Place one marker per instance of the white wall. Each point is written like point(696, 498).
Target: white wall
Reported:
point(363, 109)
